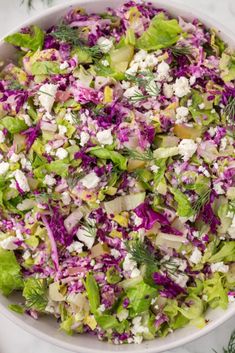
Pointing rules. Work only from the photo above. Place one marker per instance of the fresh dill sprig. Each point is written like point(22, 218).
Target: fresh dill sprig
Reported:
point(140, 156)
point(70, 35)
point(36, 295)
point(29, 3)
point(202, 200)
point(180, 50)
point(74, 179)
point(231, 345)
point(138, 97)
point(229, 111)
point(89, 229)
point(143, 256)
point(15, 85)
point(146, 81)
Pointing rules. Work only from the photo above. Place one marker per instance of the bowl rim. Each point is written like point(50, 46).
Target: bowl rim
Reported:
point(227, 314)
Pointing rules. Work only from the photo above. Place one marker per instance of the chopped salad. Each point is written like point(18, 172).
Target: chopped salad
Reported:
point(117, 173)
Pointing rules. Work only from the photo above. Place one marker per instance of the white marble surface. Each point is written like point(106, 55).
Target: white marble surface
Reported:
point(12, 338)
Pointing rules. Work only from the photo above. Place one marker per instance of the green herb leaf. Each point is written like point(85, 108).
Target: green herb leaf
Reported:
point(35, 294)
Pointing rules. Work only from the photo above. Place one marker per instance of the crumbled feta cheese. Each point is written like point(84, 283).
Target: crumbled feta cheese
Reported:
point(201, 106)
point(168, 90)
point(181, 87)
point(187, 148)
point(14, 158)
point(27, 119)
point(125, 84)
point(132, 69)
point(26, 255)
point(138, 328)
point(129, 264)
point(105, 137)
point(26, 164)
point(204, 171)
point(181, 115)
point(61, 153)
point(85, 237)
point(49, 180)
point(231, 298)
point(223, 144)
point(101, 308)
point(196, 256)
point(62, 130)
point(189, 102)
point(218, 188)
point(65, 197)
point(105, 63)
point(192, 80)
point(4, 166)
point(181, 279)
point(219, 267)
point(22, 180)
point(9, 243)
point(135, 273)
point(140, 56)
point(90, 181)
point(154, 168)
point(163, 71)
point(2, 137)
point(132, 91)
point(123, 315)
point(64, 65)
point(46, 96)
point(105, 44)
point(76, 246)
point(115, 253)
point(212, 131)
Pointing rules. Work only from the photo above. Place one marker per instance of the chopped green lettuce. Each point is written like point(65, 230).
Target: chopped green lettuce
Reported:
point(225, 254)
point(215, 291)
point(184, 208)
point(227, 67)
point(92, 292)
point(140, 297)
point(13, 124)
point(58, 167)
point(46, 68)
point(115, 157)
point(162, 33)
point(32, 41)
point(10, 273)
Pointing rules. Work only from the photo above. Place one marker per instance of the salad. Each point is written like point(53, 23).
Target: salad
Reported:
point(117, 173)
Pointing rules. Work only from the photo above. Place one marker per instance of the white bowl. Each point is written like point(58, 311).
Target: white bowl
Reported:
point(47, 328)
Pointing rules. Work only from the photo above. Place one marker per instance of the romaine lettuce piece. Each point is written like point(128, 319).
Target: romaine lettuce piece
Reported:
point(162, 33)
point(32, 41)
point(184, 208)
point(10, 273)
point(227, 67)
point(13, 124)
point(92, 292)
point(115, 157)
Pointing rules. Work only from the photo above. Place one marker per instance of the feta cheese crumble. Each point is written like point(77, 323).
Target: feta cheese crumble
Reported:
point(22, 180)
point(196, 256)
point(105, 137)
point(105, 44)
point(46, 96)
point(61, 153)
point(90, 181)
point(181, 87)
point(219, 267)
point(181, 115)
point(4, 167)
point(187, 148)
